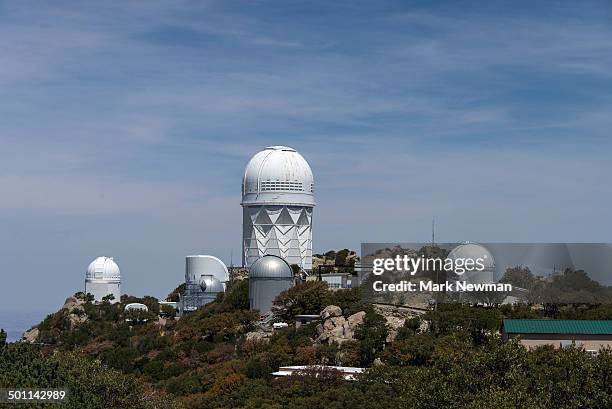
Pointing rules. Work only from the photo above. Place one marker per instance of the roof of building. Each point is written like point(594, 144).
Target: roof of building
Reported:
point(278, 175)
point(103, 269)
point(347, 372)
point(136, 306)
point(591, 327)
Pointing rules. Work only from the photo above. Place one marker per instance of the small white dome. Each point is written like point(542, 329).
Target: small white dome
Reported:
point(278, 175)
point(136, 306)
point(103, 269)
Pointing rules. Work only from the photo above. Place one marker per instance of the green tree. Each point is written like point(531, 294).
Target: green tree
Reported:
point(518, 276)
point(237, 296)
point(174, 295)
point(167, 311)
point(90, 384)
point(310, 297)
point(372, 334)
point(416, 350)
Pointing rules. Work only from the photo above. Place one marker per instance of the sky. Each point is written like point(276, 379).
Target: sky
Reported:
point(125, 128)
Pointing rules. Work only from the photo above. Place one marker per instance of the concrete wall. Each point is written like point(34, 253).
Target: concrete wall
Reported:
point(588, 342)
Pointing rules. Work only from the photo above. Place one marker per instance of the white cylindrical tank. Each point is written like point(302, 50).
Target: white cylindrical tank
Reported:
point(277, 201)
point(103, 278)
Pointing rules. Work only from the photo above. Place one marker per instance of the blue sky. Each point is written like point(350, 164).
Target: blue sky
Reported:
point(125, 127)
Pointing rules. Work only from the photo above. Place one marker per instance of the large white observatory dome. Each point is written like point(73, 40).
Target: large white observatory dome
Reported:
point(103, 269)
point(474, 251)
point(277, 202)
point(103, 278)
point(278, 175)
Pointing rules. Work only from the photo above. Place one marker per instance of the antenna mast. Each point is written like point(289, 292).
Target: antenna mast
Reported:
point(433, 231)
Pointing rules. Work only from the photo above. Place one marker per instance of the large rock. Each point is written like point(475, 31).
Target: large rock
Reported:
point(331, 311)
point(73, 303)
point(31, 335)
point(333, 330)
point(336, 328)
point(76, 311)
point(356, 319)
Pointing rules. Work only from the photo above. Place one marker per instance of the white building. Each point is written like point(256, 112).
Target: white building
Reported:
point(103, 278)
point(205, 277)
point(348, 373)
point(277, 201)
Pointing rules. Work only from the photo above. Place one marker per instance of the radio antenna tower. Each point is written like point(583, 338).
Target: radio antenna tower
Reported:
point(433, 231)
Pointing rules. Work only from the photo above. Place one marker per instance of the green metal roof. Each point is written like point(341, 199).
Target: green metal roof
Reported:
point(594, 327)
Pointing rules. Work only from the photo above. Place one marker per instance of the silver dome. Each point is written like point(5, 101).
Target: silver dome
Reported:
point(210, 284)
point(271, 267)
point(278, 175)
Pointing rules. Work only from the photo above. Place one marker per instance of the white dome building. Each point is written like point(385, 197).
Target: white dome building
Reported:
point(473, 251)
point(205, 277)
point(277, 201)
point(103, 277)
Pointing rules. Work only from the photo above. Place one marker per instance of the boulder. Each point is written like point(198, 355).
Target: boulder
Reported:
point(331, 311)
point(73, 303)
point(334, 330)
point(356, 319)
point(337, 329)
point(31, 335)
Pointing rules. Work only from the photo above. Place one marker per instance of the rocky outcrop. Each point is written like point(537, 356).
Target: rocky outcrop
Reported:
point(331, 311)
point(335, 328)
point(75, 310)
point(356, 319)
point(344, 257)
point(395, 317)
point(258, 336)
point(31, 335)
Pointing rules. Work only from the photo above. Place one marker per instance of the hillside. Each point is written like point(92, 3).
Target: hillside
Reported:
point(220, 357)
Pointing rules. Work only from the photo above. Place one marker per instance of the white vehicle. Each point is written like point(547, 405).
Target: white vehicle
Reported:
point(278, 325)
